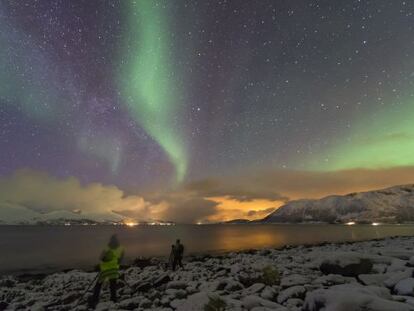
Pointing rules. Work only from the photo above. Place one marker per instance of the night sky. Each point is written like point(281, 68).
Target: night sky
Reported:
point(161, 96)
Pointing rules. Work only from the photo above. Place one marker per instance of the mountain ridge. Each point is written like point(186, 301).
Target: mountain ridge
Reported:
point(389, 205)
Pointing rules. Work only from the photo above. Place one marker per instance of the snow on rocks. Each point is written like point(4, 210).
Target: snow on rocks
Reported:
point(195, 302)
point(373, 279)
point(255, 288)
point(269, 293)
point(294, 279)
point(370, 275)
point(252, 301)
point(395, 277)
point(346, 297)
point(405, 287)
point(346, 264)
point(176, 285)
point(333, 279)
point(297, 291)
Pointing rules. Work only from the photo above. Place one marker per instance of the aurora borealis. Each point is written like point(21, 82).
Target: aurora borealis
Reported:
point(147, 82)
point(385, 139)
point(204, 108)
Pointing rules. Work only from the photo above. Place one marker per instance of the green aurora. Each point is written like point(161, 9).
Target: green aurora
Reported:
point(381, 140)
point(147, 80)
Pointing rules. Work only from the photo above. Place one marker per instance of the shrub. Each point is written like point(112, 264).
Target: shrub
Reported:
point(270, 276)
point(215, 304)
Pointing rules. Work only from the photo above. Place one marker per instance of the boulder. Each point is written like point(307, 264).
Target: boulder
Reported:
point(400, 254)
point(351, 297)
point(177, 303)
point(232, 285)
point(255, 288)
point(405, 287)
point(252, 301)
point(269, 293)
point(249, 279)
point(176, 293)
point(397, 265)
point(105, 306)
point(161, 280)
point(293, 279)
point(334, 279)
point(177, 285)
point(294, 303)
point(69, 297)
point(373, 279)
point(196, 302)
point(145, 303)
point(143, 287)
point(130, 303)
point(298, 291)
point(394, 278)
point(346, 264)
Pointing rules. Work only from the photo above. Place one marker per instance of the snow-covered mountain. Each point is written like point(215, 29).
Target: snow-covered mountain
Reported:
point(395, 204)
point(20, 215)
point(16, 214)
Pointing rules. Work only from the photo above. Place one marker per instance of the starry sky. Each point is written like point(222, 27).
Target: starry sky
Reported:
point(159, 99)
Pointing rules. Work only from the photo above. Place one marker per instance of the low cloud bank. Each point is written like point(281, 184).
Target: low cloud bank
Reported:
point(42, 194)
point(29, 194)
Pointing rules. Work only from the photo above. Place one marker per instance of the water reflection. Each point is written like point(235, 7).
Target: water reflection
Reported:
point(79, 246)
point(232, 238)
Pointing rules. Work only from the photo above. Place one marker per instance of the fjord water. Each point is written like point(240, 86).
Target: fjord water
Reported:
point(42, 249)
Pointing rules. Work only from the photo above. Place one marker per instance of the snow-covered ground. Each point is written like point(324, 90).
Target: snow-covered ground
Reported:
point(371, 275)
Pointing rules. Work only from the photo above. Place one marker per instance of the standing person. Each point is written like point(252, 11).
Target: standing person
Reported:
point(178, 254)
point(108, 270)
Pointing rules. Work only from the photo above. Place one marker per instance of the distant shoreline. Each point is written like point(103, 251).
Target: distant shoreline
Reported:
point(212, 224)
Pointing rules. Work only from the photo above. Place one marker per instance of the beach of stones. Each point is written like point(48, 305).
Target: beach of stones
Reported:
point(367, 275)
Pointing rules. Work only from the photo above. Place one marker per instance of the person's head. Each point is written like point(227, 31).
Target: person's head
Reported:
point(172, 245)
point(178, 241)
point(113, 241)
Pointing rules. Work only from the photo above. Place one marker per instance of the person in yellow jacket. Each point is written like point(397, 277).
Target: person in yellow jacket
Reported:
point(108, 270)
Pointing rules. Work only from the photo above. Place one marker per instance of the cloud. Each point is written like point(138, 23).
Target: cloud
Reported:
point(261, 213)
point(256, 194)
point(30, 193)
point(191, 210)
point(233, 190)
point(44, 194)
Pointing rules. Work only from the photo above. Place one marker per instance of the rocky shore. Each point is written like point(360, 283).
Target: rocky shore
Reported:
point(369, 275)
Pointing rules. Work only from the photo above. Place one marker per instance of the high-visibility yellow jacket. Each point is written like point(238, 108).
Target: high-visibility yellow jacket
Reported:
point(109, 266)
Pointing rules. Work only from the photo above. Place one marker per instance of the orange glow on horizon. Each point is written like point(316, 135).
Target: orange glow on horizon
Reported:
point(229, 209)
point(130, 223)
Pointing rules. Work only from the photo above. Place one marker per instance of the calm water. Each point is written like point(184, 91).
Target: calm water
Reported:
point(35, 248)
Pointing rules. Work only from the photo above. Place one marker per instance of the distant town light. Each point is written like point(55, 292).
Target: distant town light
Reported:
point(350, 223)
point(375, 223)
point(130, 224)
